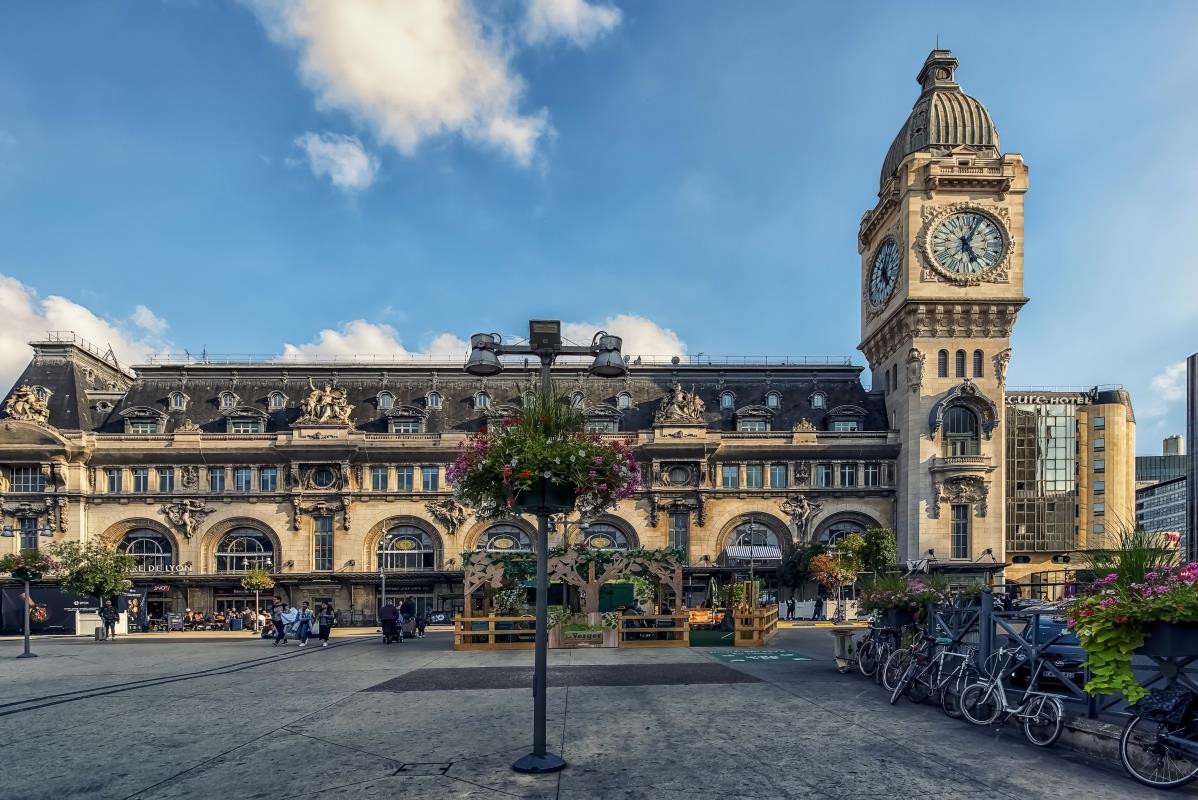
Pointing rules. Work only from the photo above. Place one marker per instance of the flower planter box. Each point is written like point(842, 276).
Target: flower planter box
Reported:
point(546, 496)
point(569, 640)
point(1170, 640)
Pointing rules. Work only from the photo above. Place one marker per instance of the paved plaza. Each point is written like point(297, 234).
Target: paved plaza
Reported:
point(153, 718)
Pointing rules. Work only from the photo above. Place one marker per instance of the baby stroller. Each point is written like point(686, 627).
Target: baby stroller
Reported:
point(390, 632)
point(408, 629)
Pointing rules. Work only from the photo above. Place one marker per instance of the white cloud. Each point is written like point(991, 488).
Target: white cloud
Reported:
point(574, 20)
point(341, 158)
point(641, 336)
point(360, 337)
point(410, 70)
point(1170, 384)
point(26, 318)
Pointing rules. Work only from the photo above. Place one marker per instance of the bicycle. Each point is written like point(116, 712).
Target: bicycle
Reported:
point(1159, 746)
point(1041, 714)
point(927, 676)
point(895, 666)
point(874, 648)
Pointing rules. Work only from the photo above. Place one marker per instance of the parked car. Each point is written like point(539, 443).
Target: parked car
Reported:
point(1064, 652)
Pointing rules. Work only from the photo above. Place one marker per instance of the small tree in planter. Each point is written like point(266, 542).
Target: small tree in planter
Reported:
point(257, 580)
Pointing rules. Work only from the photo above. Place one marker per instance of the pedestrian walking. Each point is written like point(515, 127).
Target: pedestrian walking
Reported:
point(109, 616)
point(327, 618)
point(421, 624)
point(303, 624)
point(277, 610)
point(818, 612)
point(407, 617)
point(790, 608)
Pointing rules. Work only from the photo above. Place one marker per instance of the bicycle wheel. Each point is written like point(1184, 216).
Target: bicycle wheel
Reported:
point(1149, 757)
point(883, 651)
point(895, 668)
point(980, 704)
point(950, 695)
point(1045, 717)
point(919, 689)
point(867, 657)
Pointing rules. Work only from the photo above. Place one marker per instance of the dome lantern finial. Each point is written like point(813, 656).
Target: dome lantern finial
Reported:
point(938, 71)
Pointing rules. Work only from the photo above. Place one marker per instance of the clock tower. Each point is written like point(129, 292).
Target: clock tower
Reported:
point(942, 284)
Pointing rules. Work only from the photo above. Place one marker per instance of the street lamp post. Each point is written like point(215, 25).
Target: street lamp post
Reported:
point(544, 342)
point(46, 532)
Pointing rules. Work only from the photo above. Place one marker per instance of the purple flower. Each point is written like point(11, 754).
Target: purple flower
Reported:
point(598, 459)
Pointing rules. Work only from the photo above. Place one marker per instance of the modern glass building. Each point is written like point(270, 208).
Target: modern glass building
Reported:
point(1154, 469)
point(1162, 506)
point(1041, 478)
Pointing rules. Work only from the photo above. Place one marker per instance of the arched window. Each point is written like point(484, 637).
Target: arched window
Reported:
point(602, 536)
point(482, 401)
point(754, 534)
point(773, 400)
point(504, 539)
point(178, 401)
point(893, 377)
point(819, 400)
point(839, 528)
point(433, 399)
point(942, 364)
point(977, 363)
point(961, 432)
point(623, 400)
point(227, 399)
point(406, 547)
point(386, 400)
point(960, 363)
point(577, 400)
point(276, 401)
point(244, 548)
point(151, 550)
point(727, 401)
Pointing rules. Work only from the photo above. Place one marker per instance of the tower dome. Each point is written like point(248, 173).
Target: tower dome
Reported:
point(943, 117)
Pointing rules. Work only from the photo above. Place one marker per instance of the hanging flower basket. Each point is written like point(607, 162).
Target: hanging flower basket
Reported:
point(542, 460)
point(23, 574)
point(28, 565)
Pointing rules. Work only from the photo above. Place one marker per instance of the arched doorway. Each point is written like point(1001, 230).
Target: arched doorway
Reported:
point(243, 549)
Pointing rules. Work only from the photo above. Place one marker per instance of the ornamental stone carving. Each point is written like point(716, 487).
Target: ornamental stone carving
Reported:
point(327, 405)
point(187, 515)
point(968, 489)
point(801, 511)
point(915, 365)
point(187, 426)
point(804, 426)
point(803, 473)
point(680, 406)
point(448, 512)
point(1001, 360)
point(189, 476)
point(25, 404)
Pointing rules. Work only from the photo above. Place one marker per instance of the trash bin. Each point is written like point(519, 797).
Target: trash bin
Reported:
point(843, 648)
point(235, 624)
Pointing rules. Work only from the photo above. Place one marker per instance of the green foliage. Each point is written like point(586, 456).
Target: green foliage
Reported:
point(545, 441)
point(28, 564)
point(735, 593)
point(795, 568)
point(93, 569)
point(1138, 552)
point(879, 550)
point(903, 594)
point(257, 580)
point(511, 602)
point(849, 550)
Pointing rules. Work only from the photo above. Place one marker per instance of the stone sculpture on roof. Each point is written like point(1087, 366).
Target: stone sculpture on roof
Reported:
point(327, 405)
point(24, 404)
point(681, 406)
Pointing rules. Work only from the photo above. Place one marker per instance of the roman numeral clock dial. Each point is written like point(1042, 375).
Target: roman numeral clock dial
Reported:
point(884, 274)
point(967, 243)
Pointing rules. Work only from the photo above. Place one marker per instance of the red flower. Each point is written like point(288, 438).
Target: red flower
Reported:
point(525, 474)
point(1121, 619)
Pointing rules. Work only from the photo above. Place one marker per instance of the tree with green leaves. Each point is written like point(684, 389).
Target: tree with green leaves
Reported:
point(93, 569)
point(879, 551)
point(795, 569)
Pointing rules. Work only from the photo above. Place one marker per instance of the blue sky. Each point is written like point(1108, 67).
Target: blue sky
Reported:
point(245, 176)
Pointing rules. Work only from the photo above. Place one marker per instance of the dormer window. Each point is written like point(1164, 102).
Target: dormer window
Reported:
point(405, 425)
point(433, 400)
point(228, 400)
point(819, 400)
point(143, 420)
point(773, 401)
point(385, 400)
point(846, 419)
point(177, 401)
point(244, 419)
point(482, 401)
point(275, 401)
point(42, 393)
point(577, 400)
point(404, 418)
point(727, 401)
point(623, 400)
point(753, 425)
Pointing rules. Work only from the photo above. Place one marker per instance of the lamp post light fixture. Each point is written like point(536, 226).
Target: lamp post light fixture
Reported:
point(544, 342)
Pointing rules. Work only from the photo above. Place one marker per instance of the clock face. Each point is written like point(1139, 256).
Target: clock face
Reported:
point(885, 272)
point(968, 243)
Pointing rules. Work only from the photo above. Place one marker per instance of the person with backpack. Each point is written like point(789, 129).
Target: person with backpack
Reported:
point(303, 624)
point(327, 617)
point(388, 615)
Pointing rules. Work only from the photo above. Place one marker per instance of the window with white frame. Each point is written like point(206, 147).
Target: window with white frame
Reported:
point(404, 478)
point(431, 478)
point(848, 474)
point(178, 401)
point(141, 480)
point(228, 400)
point(482, 401)
point(275, 401)
point(753, 425)
point(386, 400)
point(731, 476)
point(819, 400)
point(166, 480)
point(871, 474)
point(112, 483)
point(753, 476)
point(604, 425)
point(778, 476)
point(823, 476)
point(241, 479)
point(727, 401)
point(216, 480)
point(405, 425)
point(845, 425)
point(623, 400)
point(433, 399)
point(379, 478)
point(245, 426)
point(773, 400)
point(268, 479)
point(143, 426)
point(28, 479)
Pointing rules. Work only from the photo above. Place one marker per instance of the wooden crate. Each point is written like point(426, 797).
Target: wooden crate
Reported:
point(754, 628)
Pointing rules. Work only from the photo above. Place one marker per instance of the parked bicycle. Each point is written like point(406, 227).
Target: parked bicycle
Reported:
point(1041, 714)
point(875, 647)
point(1159, 745)
point(939, 670)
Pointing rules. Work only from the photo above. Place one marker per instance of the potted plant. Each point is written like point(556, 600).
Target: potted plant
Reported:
point(542, 461)
point(28, 565)
point(1144, 603)
point(901, 599)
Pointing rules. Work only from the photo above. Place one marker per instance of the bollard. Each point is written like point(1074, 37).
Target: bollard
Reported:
point(985, 628)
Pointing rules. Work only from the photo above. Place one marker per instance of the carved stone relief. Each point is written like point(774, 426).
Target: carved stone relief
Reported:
point(187, 515)
point(801, 511)
point(915, 366)
point(448, 512)
point(24, 404)
point(680, 406)
point(969, 489)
